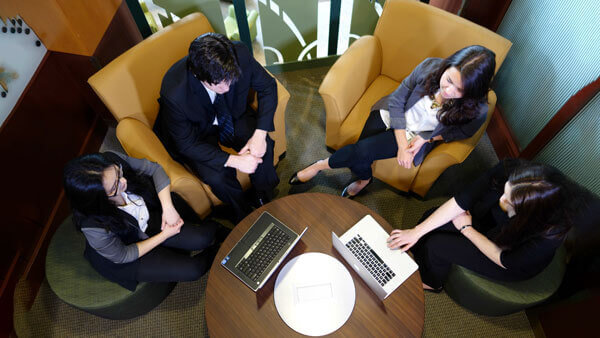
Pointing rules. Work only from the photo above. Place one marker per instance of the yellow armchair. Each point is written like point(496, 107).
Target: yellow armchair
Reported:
point(129, 86)
point(373, 66)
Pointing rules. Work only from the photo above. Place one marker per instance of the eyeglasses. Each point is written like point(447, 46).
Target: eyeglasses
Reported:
point(116, 185)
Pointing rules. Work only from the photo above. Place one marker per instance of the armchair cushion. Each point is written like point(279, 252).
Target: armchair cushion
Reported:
point(129, 86)
point(350, 128)
point(139, 141)
point(345, 83)
point(447, 154)
point(410, 31)
point(77, 283)
point(496, 298)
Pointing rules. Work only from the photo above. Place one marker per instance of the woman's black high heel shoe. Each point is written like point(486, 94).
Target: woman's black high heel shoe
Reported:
point(346, 194)
point(294, 180)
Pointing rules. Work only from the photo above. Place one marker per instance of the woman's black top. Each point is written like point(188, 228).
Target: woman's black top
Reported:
point(526, 258)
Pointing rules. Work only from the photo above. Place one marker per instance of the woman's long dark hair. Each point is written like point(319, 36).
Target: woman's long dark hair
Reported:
point(476, 65)
point(82, 180)
point(542, 198)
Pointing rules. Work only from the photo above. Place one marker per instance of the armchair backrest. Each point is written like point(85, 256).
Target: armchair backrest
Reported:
point(410, 31)
point(130, 85)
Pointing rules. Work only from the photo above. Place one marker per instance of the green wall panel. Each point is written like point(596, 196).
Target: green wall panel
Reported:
point(292, 30)
point(210, 8)
point(555, 52)
point(576, 149)
point(278, 32)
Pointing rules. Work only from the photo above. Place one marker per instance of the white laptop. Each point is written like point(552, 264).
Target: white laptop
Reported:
point(364, 247)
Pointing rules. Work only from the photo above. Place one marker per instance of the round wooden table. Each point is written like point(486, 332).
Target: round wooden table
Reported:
point(233, 310)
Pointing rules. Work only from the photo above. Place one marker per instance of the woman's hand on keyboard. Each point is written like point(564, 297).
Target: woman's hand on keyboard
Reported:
point(403, 239)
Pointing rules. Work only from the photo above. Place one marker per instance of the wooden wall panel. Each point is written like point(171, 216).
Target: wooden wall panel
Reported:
point(51, 124)
point(29, 137)
point(46, 19)
point(576, 317)
point(121, 34)
point(566, 113)
point(452, 6)
point(57, 118)
point(500, 135)
point(68, 26)
point(487, 13)
point(506, 144)
point(89, 19)
point(46, 129)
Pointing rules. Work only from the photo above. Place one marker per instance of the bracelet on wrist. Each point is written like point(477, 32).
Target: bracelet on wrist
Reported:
point(464, 227)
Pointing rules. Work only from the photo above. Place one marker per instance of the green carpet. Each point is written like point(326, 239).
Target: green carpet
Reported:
point(182, 313)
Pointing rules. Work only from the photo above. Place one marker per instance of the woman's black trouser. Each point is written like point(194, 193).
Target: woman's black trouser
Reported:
point(171, 260)
point(439, 249)
point(374, 143)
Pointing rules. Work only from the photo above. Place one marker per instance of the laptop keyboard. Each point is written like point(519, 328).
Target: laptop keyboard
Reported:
point(262, 252)
point(370, 260)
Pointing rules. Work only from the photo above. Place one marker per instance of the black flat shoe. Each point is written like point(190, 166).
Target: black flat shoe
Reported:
point(294, 180)
point(434, 290)
point(346, 194)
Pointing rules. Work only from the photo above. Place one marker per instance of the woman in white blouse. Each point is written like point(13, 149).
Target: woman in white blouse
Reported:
point(126, 211)
point(442, 100)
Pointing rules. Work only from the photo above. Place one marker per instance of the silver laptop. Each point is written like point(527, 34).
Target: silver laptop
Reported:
point(364, 247)
point(257, 255)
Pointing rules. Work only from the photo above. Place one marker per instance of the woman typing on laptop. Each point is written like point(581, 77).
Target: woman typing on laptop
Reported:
point(506, 226)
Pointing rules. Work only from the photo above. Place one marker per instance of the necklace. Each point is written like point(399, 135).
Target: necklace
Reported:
point(434, 103)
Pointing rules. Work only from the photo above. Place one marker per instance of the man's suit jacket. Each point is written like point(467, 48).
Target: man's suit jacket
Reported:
point(184, 122)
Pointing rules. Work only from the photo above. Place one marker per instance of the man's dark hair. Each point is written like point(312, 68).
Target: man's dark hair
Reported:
point(212, 59)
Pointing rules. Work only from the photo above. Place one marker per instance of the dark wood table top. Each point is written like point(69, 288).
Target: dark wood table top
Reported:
point(233, 310)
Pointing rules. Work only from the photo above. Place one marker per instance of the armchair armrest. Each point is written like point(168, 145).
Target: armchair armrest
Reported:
point(434, 164)
point(349, 78)
point(139, 141)
point(278, 135)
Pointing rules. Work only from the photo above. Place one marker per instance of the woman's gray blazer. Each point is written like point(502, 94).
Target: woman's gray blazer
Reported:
point(411, 90)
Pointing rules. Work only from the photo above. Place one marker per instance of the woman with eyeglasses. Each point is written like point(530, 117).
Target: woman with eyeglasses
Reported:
point(442, 100)
point(125, 210)
point(506, 225)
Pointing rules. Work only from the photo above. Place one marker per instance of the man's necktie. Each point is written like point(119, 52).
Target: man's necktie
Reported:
point(225, 122)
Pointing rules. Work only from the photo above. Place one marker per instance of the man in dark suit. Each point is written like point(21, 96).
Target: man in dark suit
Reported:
point(204, 102)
